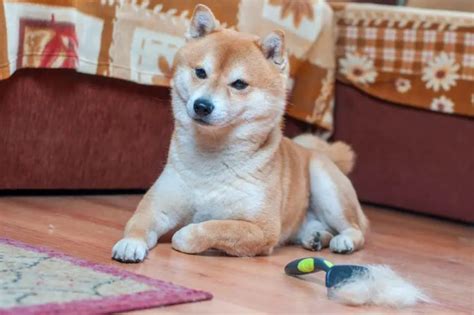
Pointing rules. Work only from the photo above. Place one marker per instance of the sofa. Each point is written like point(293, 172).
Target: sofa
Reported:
point(392, 82)
point(63, 130)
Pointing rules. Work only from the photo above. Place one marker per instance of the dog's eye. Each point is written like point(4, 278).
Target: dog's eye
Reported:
point(200, 73)
point(239, 84)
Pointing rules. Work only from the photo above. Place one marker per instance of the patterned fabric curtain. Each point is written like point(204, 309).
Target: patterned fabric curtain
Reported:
point(416, 57)
point(137, 40)
point(413, 57)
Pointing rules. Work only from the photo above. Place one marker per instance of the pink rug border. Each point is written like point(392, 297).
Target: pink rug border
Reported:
point(121, 303)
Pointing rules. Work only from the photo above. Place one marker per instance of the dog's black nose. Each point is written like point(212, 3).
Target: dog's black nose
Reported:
point(203, 107)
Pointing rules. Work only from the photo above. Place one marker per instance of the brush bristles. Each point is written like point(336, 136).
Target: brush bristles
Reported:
point(379, 286)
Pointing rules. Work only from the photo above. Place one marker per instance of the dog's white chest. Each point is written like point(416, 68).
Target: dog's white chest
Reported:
point(227, 201)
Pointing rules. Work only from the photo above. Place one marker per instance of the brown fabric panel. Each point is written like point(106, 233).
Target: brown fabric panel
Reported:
point(106, 40)
point(64, 130)
point(302, 98)
point(4, 67)
point(458, 5)
point(408, 158)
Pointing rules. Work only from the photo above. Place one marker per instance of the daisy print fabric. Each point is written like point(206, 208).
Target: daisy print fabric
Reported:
point(414, 57)
point(426, 56)
point(358, 68)
point(441, 73)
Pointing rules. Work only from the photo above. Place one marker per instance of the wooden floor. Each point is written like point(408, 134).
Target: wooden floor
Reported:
point(436, 255)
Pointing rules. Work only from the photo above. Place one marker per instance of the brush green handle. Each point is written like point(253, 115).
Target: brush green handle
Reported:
point(335, 275)
point(307, 265)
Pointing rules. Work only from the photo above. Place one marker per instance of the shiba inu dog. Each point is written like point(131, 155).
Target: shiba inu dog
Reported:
point(232, 182)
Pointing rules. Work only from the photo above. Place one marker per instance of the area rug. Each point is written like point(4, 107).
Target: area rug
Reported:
point(36, 280)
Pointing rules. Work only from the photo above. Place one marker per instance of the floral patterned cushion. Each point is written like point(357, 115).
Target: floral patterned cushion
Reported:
point(415, 57)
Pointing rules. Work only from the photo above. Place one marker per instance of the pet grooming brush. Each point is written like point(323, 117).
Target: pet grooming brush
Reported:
point(357, 285)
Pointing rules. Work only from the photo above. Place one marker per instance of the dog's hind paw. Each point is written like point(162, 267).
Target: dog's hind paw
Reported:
point(342, 244)
point(316, 240)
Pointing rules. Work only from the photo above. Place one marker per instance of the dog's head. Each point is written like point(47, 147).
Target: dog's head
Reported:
point(223, 78)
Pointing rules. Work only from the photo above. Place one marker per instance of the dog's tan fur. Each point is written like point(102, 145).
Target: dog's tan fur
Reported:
point(236, 184)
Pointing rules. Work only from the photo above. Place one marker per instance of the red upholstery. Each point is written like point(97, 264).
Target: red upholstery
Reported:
point(64, 130)
point(408, 158)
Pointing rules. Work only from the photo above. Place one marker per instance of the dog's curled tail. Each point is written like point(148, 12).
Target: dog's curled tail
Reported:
point(339, 152)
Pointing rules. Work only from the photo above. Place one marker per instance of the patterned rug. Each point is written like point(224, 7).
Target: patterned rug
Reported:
point(36, 280)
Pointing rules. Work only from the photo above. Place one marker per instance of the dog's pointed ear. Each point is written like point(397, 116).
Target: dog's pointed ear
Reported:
point(273, 48)
point(202, 23)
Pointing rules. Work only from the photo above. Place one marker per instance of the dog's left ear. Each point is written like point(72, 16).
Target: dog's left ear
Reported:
point(273, 48)
point(203, 22)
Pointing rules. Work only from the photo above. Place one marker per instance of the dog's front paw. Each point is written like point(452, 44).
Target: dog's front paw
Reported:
point(342, 244)
point(130, 250)
point(187, 240)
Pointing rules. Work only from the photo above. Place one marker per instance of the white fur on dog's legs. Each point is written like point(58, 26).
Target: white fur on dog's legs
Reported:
point(335, 203)
point(162, 209)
